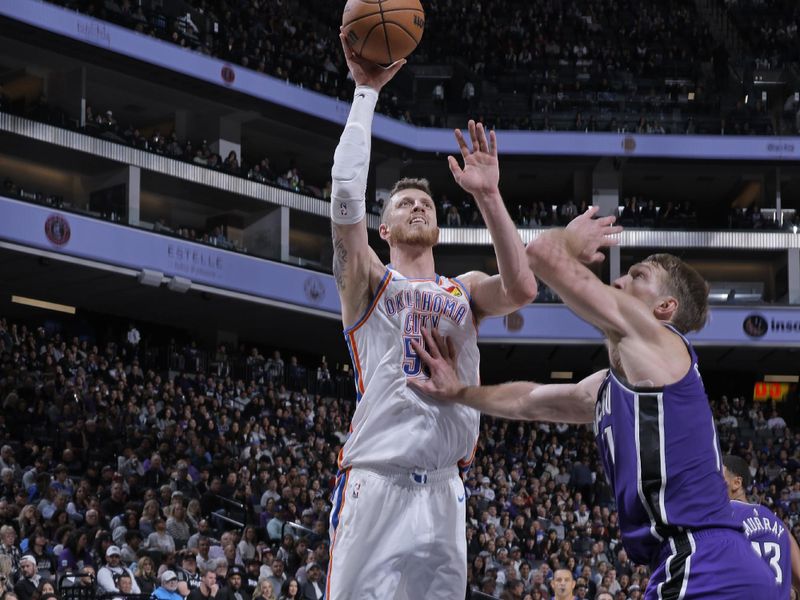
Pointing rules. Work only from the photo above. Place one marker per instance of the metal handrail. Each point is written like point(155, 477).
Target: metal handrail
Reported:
point(239, 524)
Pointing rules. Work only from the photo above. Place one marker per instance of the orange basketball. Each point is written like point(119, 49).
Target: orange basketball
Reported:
point(383, 31)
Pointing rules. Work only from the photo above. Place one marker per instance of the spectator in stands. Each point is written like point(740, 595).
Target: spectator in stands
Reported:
point(150, 514)
point(29, 578)
point(38, 548)
point(314, 588)
point(231, 164)
point(264, 590)
point(108, 574)
point(177, 525)
point(160, 539)
point(188, 576)
point(203, 531)
point(203, 557)
point(125, 585)
point(115, 504)
point(235, 584)
point(247, 545)
point(8, 542)
point(130, 549)
point(6, 575)
point(776, 421)
point(291, 590)
point(75, 555)
point(145, 575)
point(278, 578)
point(168, 588)
point(208, 588)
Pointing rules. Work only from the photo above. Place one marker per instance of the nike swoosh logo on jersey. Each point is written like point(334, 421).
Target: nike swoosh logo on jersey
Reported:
point(461, 498)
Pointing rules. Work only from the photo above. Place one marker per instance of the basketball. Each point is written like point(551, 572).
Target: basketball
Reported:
point(383, 31)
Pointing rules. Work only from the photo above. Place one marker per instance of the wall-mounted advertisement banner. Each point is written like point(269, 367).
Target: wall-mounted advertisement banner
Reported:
point(119, 245)
point(736, 326)
point(112, 244)
point(181, 60)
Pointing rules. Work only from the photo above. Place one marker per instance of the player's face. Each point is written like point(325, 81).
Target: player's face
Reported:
point(563, 584)
point(411, 219)
point(643, 281)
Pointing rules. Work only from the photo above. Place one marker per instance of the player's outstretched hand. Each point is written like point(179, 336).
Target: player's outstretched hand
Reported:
point(587, 235)
point(481, 173)
point(368, 73)
point(440, 360)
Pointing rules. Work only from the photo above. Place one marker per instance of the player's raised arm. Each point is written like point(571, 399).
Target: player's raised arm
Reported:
point(515, 286)
point(356, 267)
point(522, 400)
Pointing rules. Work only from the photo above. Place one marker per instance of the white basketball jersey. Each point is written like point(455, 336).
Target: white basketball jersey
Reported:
point(393, 425)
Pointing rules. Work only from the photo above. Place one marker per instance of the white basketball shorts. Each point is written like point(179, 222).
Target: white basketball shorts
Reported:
point(398, 535)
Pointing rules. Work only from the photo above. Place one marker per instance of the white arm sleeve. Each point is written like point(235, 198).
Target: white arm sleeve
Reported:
point(351, 160)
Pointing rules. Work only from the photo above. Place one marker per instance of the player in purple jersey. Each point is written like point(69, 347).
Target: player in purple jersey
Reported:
point(768, 535)
point(653, 425)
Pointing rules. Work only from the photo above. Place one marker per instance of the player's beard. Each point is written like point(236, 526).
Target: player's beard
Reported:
point(426, 237)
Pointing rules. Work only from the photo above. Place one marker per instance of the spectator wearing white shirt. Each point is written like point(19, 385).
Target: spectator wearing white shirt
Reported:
point(109, 573)
point(133, 338)
point(486, 489)
point(160, 539)
point(776, 421)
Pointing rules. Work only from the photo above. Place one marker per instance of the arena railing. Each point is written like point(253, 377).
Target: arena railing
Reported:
point(746, 240)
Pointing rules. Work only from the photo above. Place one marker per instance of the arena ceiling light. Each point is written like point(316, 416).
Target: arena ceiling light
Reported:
point(70, 310)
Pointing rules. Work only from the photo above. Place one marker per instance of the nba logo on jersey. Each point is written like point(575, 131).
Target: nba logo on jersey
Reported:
point(356, 489)
point(454, 290)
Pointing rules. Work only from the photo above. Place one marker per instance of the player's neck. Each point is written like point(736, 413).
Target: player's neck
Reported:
point(741, 497)
point(414, 262)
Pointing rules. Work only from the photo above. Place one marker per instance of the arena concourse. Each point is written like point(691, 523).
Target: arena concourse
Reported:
point(176, 434)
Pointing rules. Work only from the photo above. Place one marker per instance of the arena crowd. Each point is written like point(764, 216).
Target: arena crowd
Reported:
point(578, 65)
point(130, 468)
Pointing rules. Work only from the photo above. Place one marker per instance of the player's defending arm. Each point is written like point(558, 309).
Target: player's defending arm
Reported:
point(515, 286)
point(356, 267)
point(522, 400)
point(650, 354)
point(558, 255)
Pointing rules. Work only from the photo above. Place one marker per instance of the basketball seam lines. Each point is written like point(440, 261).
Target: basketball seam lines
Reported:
point(404, 30)
point(369, 33)
point(386, 35)
point(388, 10)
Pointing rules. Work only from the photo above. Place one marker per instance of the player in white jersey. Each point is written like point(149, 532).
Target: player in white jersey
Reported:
point(398, 519)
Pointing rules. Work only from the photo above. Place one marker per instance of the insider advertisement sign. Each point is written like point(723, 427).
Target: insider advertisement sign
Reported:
point(727, 325)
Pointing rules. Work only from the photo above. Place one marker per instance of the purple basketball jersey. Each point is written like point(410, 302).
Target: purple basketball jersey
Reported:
point(770, 540)
point(661, 456)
